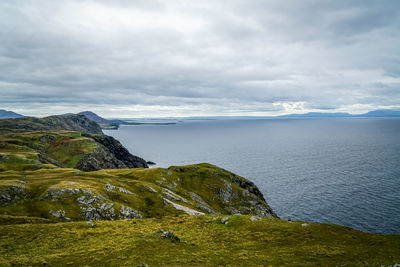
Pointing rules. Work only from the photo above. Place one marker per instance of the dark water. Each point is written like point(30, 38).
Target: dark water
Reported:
point(344, 171)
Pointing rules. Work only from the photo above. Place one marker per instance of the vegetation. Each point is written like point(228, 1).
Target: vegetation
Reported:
point(204, 240)
point(22, 150)
point(57, 216)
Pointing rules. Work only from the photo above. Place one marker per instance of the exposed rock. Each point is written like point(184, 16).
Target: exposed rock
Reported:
point(110, 186)
point(225, 220)
point(99, 159)
point(43, 158)
point(202, 205)
point(91, 224)
point(254, 218)
point(104, 211)
point(12, 192)
point(169, 234)
point(129, 213)
point(89, 200)
point(148, 188)
point(173, 196)
point(119, 151)
point(150, 163)
point(225, 192)
point(125, 191)
point(5, 197)
point(183, 208)
point(304, 224)
point(57, 213)
point(57, 195)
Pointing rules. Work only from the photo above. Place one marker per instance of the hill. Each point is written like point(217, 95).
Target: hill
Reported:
point(5, 114)
point(52, 123)
point(61, 194)
point(104, 123)
point(32, 143)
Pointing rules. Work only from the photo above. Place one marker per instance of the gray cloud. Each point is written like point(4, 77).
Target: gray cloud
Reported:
point(162, 58)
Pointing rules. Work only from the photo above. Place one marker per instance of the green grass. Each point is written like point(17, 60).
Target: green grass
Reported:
point(204, 241)
point(65, 147)
point(205, 180)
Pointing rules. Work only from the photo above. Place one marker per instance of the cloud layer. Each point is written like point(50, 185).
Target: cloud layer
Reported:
point(179, 58)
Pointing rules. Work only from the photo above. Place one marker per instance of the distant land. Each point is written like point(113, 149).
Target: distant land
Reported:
point(5, 114)
point(114, 123)
point(375, 113)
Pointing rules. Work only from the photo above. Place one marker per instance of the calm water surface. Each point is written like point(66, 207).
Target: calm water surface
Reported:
point(344, 171)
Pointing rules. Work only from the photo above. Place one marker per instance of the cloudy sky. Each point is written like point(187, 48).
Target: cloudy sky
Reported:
point(152, 58)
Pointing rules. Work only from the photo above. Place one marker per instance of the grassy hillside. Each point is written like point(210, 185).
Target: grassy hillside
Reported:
point(31, 150)
point(21, 150)
point(203, 240)
point(68, 194)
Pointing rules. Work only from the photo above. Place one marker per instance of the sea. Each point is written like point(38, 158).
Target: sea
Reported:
point(328, 170)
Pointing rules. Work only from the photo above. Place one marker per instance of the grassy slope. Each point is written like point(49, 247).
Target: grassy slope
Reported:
point(203, 179)
point(206, 241)
point(22, 148)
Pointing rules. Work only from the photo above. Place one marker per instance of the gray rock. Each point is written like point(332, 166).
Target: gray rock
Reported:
point(147, 188)
point(225, 220)
point(12, 192)
point(123, 190)
point(129, 213)
point(57, 213)
point(202, 205)
point(169, 234)
point(110, 186)
point(142, 265)
point(91, 224)
point(254, 218)
point(5, 197)
point(110, 154)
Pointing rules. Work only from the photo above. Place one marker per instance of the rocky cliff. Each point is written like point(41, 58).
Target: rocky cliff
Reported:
point(29, 150)
point(115, 148)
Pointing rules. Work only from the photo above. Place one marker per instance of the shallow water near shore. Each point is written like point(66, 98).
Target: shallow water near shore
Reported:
point(338, 170)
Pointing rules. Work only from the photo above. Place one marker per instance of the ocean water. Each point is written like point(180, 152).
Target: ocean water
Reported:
point(338, 170)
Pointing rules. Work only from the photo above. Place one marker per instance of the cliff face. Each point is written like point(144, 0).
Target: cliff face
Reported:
point(119, 151)
point(34, 150)
point(109, 154)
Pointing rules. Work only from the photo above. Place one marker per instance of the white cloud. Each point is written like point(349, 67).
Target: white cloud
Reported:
point(163, 58)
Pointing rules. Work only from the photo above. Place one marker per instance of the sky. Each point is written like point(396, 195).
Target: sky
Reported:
point(150, 58)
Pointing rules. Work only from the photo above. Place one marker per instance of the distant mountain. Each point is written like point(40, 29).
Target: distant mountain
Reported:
point(375, 113)
point(316, 115)
point(382, 113)
point(5, 114)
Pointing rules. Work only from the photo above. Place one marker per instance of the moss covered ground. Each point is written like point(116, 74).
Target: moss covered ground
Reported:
point(204, 240)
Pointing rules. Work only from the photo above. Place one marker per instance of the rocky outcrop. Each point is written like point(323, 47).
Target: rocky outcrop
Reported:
point(119, 155)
